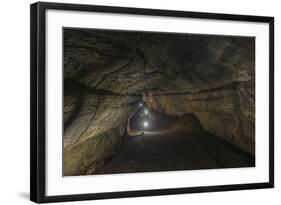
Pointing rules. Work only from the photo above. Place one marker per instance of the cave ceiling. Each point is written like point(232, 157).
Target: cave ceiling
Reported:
point(133, 63)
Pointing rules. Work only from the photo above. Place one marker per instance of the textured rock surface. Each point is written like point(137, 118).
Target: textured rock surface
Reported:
point(88, 142)
point(220, 112)
point(222, 95)
point(107, 72)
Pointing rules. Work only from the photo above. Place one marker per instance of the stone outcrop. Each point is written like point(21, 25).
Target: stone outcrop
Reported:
point(107, 72)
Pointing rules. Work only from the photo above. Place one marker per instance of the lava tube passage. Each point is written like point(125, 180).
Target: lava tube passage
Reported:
point(150, 101)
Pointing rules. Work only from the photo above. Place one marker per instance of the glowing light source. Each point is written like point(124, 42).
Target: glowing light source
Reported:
point(146, 111)
point(145, 124)
point(140, 104)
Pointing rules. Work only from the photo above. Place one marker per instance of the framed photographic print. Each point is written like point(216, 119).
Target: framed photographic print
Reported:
point(129, 102)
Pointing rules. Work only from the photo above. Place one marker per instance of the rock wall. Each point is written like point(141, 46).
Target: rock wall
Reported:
point(95, 110)
point(87, 143)
point(222, 95)
point(221, 113)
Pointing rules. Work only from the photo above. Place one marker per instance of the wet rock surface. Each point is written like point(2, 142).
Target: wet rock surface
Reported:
point(106, 74)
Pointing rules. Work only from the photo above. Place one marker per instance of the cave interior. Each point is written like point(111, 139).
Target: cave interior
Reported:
point(139, 101)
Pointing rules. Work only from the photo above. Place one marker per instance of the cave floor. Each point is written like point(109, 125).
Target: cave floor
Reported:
point(154, 150)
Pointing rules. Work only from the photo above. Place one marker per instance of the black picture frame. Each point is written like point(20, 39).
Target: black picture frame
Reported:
point(38, 101)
